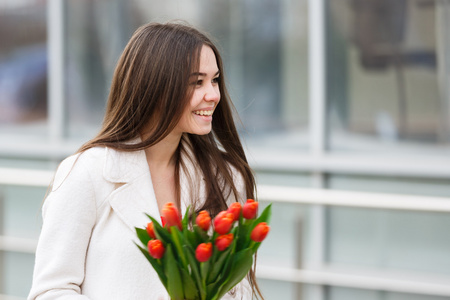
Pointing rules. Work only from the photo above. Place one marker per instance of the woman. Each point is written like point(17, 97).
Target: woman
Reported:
point(168, 136)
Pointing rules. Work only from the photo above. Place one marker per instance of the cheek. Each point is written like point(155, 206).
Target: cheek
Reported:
point(196, 99)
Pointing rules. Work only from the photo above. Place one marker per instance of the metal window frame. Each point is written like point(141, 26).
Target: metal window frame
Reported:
point(56, 96)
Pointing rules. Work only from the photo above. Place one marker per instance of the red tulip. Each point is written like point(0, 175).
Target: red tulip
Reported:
point(260, 232)
point(171, 216)
point(156, 248)
point(223, 222)
point(203, 220)
point(151, 230)
point(250, 209)
point(203, 252)
point(235, 209)
point(223, 241)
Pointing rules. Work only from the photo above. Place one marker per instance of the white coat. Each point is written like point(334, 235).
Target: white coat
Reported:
point(86, 249)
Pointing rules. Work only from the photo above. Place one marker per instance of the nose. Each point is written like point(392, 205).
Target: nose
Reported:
point(212, 93)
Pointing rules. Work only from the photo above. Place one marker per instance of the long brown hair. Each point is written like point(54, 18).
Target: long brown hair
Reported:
point(150, 83)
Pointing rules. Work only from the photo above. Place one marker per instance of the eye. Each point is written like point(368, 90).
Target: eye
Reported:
point(216, 80)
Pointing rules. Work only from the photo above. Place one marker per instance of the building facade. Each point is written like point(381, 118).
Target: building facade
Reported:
point(333, 95)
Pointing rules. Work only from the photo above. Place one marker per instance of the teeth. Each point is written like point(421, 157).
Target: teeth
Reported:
point(203, 112)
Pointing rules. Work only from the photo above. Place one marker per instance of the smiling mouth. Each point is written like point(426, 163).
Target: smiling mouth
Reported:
point(203, 112)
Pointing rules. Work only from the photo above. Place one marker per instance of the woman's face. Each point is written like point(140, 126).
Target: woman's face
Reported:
point(197, 117)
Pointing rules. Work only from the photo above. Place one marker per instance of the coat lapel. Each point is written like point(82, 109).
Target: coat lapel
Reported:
point(134, 195)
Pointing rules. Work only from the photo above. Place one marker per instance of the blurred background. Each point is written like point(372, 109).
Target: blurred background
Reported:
point(345, 110)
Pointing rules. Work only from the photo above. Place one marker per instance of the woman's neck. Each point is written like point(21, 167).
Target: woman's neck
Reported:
point(162, 155)
point(161, 163)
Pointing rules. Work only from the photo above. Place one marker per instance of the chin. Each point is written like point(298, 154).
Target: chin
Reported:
point(201, 132)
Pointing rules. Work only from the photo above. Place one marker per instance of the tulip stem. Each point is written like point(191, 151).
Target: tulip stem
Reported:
point(253, 245)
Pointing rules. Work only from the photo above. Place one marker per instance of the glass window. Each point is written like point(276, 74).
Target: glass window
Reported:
point(23, 69)
point(19, 270)
point(387, 76)
point(277, 289)
point(339, 293)
point(284, 245)
point(26, 163)
point(20, 208)
point(283, 179)
point(263, 43)
point(389, 239)
point(20, 217)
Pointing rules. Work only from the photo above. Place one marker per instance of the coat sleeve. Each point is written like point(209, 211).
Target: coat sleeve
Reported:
point(69, 214)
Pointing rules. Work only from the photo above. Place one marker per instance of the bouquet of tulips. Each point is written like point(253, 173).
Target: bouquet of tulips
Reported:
point(196, 262)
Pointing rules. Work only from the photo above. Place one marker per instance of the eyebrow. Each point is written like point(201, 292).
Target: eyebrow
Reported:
point(203, 74)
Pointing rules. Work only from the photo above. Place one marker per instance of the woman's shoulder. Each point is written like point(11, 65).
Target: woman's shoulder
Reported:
point(81, 165)
point(89, 158)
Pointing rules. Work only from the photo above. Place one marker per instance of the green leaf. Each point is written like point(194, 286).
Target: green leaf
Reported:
point(185, 221)
point(195, 269)
point(190, 290)
point(265, 216)
point(212, 290)
point(174, 282)
point(242, 237)
point(190, 238)
point(204, 270)
point(217, 267)
point(242, 264)
point(156, 265)
point(143, 235)
point(202, 236)
point(177, 238)
point(160, 232)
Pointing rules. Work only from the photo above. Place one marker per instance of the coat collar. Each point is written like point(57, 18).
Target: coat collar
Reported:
point(134, 195)
point(124, 166)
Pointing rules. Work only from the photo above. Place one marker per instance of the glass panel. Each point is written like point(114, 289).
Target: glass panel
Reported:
point(283, 179)
point(404, 296)
point(20, 209)
point(339, 293)
point(284, 245)
point(392, 185)
point(28, 163)
point(23, 69)
point(387, 80)
point(274, 290)
point(263, 43)
point(396, 240)
point(97, 32)
point(19, 267)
